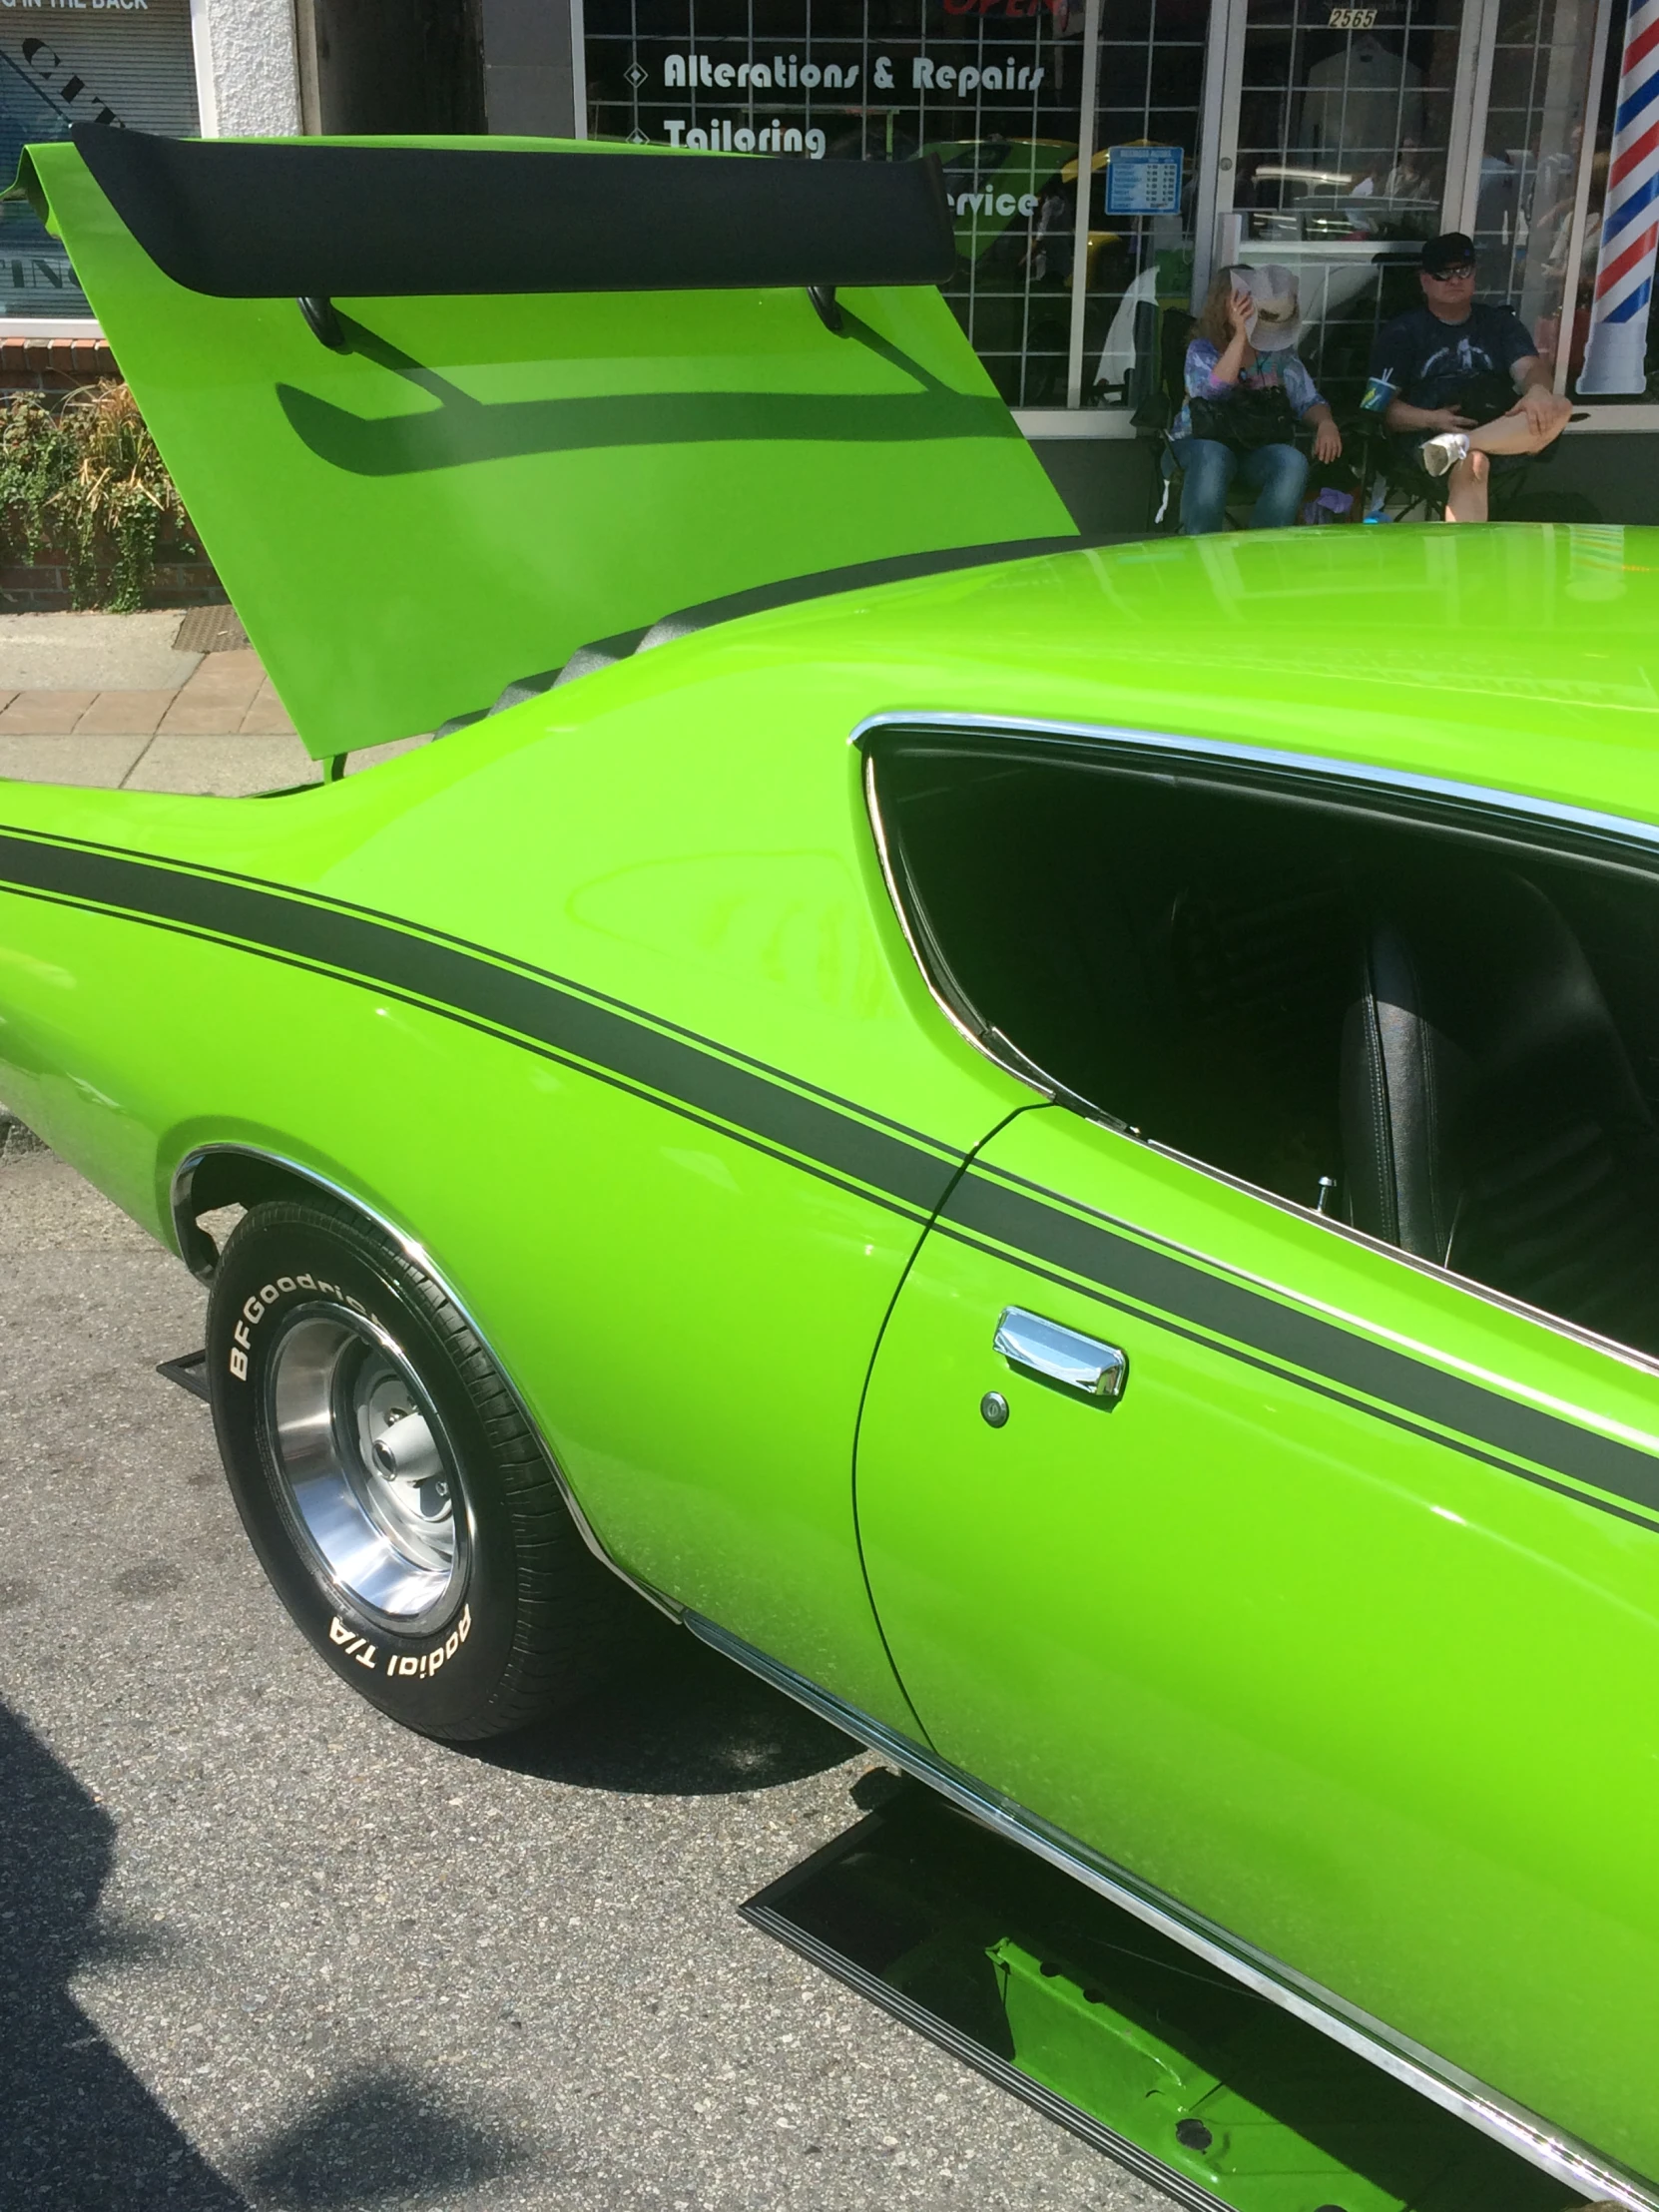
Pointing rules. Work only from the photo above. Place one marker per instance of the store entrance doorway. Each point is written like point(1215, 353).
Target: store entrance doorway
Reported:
point(1337, 140)
point(1342, 137)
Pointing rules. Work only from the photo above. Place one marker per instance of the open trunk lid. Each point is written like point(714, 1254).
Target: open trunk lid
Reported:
point(443, 411)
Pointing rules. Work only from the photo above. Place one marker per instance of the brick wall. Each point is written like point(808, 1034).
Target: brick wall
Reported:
point(184, 577)
point(55, 367)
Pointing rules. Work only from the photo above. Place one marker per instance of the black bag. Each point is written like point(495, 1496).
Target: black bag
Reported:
point(1256, 415)
point(1488, 394)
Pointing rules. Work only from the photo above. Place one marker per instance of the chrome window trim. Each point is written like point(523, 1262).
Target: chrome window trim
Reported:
point(184, 1229)
point(1645, 1362)
point(1230, 753)
point(1234, 753)
point(884, 857)
point(1517, 2129)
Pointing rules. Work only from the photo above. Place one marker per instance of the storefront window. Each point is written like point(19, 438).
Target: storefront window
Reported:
point(1146, 167)
point(1340, 171)
point(112, 67)
point(992, 91)
point(1534, 138)
point(1345, 120)
point(1334, 138)
point(1011, 165)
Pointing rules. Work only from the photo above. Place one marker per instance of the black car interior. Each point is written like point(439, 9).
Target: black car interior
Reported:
point(1446, 1034)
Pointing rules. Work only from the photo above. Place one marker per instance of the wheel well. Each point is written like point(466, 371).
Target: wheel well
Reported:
point(226, 1176)
point(230, 1175)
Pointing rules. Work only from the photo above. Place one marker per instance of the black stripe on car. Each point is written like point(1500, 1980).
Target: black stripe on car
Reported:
point(1230, 1316)
point(463, 984)
point(425, 933)
point(831, 1137)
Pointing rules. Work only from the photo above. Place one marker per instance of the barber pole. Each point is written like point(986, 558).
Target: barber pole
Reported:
point(1615, 359)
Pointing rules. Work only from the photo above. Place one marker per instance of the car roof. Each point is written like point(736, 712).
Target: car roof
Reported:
point(1518, 657)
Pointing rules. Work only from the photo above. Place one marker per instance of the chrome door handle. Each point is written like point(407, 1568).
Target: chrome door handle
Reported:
point(1077, 1363)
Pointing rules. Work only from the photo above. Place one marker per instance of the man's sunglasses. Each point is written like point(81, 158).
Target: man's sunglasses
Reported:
point(1451, 275)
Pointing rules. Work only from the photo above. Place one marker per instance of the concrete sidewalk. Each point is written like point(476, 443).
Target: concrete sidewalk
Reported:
point(128, 702)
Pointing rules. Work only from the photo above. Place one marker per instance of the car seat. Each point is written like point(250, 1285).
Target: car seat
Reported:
point(1491, 1122)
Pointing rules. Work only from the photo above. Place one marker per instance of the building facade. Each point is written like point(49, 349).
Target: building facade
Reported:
point(1102, 157)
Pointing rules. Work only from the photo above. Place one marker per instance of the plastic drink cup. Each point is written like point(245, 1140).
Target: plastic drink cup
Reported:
point(1378, 392)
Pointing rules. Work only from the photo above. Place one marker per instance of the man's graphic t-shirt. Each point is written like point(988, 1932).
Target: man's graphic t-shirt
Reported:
point(1431, 364)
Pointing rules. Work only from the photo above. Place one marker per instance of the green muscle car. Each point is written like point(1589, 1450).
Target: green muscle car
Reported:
point(1055, 1149)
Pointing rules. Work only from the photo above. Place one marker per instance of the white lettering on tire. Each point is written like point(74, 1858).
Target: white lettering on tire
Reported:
point(419, 1666)
point(255, 1309)
point(355, 1647)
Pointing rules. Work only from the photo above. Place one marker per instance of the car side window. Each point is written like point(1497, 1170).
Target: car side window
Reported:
point(1441, 1030)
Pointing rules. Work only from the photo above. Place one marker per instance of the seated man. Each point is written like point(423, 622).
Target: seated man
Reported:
point(1451, 363)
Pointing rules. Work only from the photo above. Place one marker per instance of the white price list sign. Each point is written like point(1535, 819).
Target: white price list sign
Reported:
point(1143, 180)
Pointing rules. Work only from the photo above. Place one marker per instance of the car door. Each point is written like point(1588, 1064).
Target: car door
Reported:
point(1340, 1623)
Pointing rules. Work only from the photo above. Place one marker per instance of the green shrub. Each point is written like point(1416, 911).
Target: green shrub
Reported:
point(86, 477)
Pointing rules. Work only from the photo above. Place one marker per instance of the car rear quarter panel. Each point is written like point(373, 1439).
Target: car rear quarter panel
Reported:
point(688, 1305)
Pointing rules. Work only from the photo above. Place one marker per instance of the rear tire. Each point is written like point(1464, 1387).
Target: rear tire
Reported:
point(398, 1500)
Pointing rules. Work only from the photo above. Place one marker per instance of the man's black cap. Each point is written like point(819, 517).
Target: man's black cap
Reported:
point(1452, 250)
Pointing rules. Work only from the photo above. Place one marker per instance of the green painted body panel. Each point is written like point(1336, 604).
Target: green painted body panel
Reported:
point(1152, 2080)
point(510, 477)
point(1381, 1708)
point(1385, 1705)
point(1522, 658)
point(689, 1317)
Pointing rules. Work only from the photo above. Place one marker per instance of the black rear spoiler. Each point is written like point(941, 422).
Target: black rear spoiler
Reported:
point(246, 221)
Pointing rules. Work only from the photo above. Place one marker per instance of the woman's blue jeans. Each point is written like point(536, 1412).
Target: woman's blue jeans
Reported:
point(1207, 467)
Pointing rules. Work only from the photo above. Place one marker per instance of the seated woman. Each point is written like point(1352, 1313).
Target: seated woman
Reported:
point(1243, 345)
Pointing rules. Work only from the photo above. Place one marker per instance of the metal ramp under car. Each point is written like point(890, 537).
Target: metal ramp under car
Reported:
point(1202, 2087)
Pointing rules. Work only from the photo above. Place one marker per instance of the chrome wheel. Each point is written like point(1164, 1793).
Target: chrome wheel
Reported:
point(363, 1465)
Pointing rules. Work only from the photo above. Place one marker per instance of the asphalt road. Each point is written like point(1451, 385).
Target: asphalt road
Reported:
point(259, 1947)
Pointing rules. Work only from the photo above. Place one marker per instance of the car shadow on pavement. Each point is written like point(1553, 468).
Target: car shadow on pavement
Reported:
point(79, 2133)
point(79, 2129)
point(682, 1722)
point(379, 2136)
